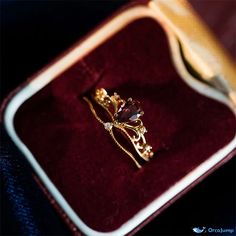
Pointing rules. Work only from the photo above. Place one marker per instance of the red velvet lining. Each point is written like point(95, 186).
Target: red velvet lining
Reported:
point(99, 181)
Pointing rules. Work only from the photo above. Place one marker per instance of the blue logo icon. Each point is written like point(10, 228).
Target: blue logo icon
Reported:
point(198, 230)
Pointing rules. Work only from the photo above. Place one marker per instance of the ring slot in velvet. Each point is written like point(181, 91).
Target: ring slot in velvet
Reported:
point(97, 179)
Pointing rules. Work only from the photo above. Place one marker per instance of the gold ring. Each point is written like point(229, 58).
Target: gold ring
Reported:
point(125, 116)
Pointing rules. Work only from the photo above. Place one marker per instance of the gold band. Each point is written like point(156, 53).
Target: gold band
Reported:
point(125, 116)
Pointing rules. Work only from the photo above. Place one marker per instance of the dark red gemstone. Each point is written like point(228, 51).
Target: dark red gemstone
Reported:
point(131, 111)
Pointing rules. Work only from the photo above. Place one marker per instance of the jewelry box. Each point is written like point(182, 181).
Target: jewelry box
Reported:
point(160, 53)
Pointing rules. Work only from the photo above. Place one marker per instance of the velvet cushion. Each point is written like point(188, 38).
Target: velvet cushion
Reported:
point(98, 180)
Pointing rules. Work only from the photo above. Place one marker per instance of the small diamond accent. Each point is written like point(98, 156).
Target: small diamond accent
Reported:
point(143, 130)
point(108, 126)
point(148, 148)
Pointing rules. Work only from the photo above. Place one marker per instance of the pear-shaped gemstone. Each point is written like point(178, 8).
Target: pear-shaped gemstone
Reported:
point(131, 111)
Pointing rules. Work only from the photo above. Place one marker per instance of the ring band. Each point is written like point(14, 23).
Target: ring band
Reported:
point(125, 116)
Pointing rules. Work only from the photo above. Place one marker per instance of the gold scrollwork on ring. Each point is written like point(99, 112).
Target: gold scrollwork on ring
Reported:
point(125, 116)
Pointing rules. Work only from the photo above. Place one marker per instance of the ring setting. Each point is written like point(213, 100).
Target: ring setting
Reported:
point(124, 116)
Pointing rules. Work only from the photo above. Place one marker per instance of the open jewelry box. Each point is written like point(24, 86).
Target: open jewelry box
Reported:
point(159, 53)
